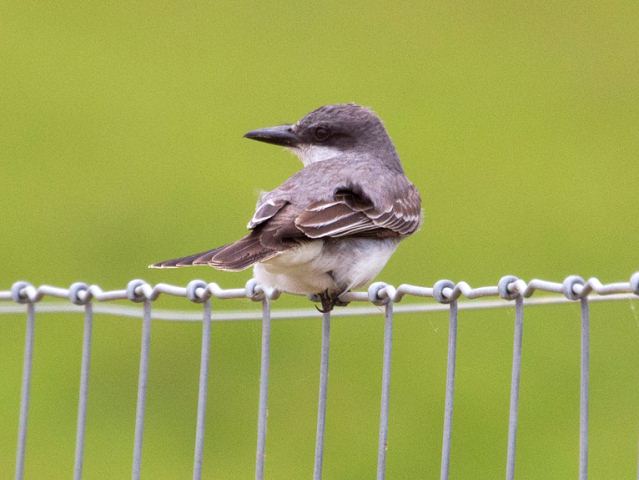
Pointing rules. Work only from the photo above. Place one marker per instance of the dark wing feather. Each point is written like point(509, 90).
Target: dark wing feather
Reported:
point(352, 214)
point(267, 240)
point(239, 255)
point(233, 257)
point(278, 225)
point(266, 209)
point(184, 261)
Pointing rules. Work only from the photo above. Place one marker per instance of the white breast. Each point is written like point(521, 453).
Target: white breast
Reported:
point(335, 265)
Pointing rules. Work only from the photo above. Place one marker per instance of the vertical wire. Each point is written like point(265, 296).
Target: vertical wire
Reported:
point(514, 388)
point(585, 378)
point(84, 391)
point(202, 390)
point(386, 375)
point(142, 382)
point(264, 368)
point(321, 404)
point(450, 390)
point(26, 390)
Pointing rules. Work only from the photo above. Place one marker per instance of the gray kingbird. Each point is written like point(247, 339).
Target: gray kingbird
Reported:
point(333, 225)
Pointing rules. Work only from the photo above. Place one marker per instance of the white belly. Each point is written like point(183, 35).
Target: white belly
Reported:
point(333, 265)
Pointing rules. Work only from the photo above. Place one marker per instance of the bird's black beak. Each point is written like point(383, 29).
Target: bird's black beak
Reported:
point(281, 135)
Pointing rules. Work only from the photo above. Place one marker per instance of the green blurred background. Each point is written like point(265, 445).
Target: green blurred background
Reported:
point(121, 144)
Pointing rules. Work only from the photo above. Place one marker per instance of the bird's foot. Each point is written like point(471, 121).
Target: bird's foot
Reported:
point(329, 301)
point(339, 303)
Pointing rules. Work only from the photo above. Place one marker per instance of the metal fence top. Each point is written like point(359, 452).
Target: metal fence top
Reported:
point(509, 292)
point(443, 292)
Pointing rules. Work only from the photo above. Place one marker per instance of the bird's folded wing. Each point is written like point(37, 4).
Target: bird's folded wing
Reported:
point(265, 210)
point(278, 225)
point(351, 214)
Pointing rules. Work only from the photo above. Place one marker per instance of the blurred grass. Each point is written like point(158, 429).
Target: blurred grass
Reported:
point(121, 145)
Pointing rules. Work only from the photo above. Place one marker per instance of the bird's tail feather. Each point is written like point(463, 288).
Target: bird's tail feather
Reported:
point(183, 261)
point(233, 257)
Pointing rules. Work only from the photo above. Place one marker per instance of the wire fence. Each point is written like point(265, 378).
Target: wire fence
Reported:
point(510, 291)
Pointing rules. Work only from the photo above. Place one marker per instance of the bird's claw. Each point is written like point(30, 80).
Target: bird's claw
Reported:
point(329, 301)
point(322, 310)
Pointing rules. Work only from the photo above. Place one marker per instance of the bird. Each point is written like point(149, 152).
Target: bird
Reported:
point(333, 225)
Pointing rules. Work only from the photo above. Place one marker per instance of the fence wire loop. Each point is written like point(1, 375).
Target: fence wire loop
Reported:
point(197, 291)
point(443, 291)
point(257, 292)
point(18, 293)
point(79, 293)
point(507, 287)
point(574, 287)
point(254, 290)
point(134, 290)
point(380, 293)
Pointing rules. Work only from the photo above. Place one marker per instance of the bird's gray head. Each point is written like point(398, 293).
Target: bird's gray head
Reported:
point(329, 131)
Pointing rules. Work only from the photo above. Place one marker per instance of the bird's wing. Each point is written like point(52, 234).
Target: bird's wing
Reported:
point(268, 239)
point(280, 223)
point(233, 257)
point(267, 207)
point(351, 213)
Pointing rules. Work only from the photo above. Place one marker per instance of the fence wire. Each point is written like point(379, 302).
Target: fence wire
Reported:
point(510, 291)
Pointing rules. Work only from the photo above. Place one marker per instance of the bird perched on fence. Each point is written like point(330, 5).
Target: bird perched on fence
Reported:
point(333, 225)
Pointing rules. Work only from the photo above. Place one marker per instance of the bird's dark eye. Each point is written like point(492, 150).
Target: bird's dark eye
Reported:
point(322, 133)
